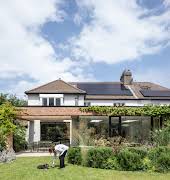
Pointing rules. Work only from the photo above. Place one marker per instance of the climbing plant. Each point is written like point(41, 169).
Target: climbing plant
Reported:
point(149, 110)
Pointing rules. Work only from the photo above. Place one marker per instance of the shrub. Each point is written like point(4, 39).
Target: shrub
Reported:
point(74, 155)
point(160, 158)
point(161, 137)
point(84, 151)
point(130, 161)
point(19, 138)
point(97, 157)
point(154, 153)
point(163, 163)
point(111, 163)
point(102, 142)
point(142, 152)
point(147, 164)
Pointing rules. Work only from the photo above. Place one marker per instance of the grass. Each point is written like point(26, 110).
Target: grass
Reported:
point(26, 169)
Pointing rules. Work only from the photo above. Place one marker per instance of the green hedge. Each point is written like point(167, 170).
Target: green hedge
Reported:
point(128, 159)
point(142, 152)
point(97, 157)
point(74, 155)
point(160, 158)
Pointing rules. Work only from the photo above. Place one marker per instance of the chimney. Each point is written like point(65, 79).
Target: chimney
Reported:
point(126, 77)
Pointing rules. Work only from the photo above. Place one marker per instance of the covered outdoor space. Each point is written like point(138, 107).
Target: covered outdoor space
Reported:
point(47, 125)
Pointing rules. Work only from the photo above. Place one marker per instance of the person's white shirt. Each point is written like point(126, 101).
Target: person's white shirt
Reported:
point(61, 148)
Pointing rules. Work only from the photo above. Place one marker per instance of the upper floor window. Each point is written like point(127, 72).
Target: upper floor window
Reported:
point(58, 101)
point(51, 101)
point(44, 101)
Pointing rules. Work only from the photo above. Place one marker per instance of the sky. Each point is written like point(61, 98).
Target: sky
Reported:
point(87, 40)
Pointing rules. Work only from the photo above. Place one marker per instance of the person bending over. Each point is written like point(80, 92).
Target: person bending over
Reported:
point(59, 150)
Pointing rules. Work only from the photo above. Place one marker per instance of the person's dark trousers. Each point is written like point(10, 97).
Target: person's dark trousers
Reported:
point(62, 165)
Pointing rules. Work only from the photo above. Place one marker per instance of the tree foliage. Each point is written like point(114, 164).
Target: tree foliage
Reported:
point(7, 117)
point(19, 137)
point(8, 122)
point(7, 126)
point(15, 101)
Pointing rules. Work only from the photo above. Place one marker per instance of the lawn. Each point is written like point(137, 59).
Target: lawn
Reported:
point(26, 169)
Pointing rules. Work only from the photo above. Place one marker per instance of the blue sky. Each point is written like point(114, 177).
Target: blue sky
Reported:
point(87, 40)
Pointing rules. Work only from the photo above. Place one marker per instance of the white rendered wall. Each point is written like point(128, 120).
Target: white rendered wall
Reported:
point(33, 100)
point(37, 130)
point(66, 99)
point(69, 100)
point(31, 132)
point(34, 131)
point(127, 102)
point(81, 100)
point(161, 102)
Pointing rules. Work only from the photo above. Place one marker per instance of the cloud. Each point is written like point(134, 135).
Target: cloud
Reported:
point(24, 51)
point(166, 3)
point(110, 32)
point(154, 75)
point(118, 31)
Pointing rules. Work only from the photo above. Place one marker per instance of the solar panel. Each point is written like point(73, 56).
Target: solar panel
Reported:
point(104, 89)
point(155, 93)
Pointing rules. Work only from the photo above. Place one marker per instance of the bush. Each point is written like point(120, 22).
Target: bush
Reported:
point(112, 163)
point(147, 164)
point(160, 158)
point(163, 163)
point(142, 152)
point(130, 161)
point(19, 138)
point(74, 155)
point(154, 153)
point(98, 157)
point(84, 151)
point(161, 137)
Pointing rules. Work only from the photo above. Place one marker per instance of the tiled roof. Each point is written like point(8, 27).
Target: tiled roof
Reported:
point(60, 86)
point(137, 86)
point(57, 86)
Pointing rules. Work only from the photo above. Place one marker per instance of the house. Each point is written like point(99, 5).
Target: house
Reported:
point(53, 109)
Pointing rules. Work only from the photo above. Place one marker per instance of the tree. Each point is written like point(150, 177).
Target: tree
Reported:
point(15, 101)
point(7, 126)
point(8, 123)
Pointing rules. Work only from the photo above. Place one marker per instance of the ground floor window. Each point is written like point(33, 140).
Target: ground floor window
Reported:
point(55, 131)
point(135, 129)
